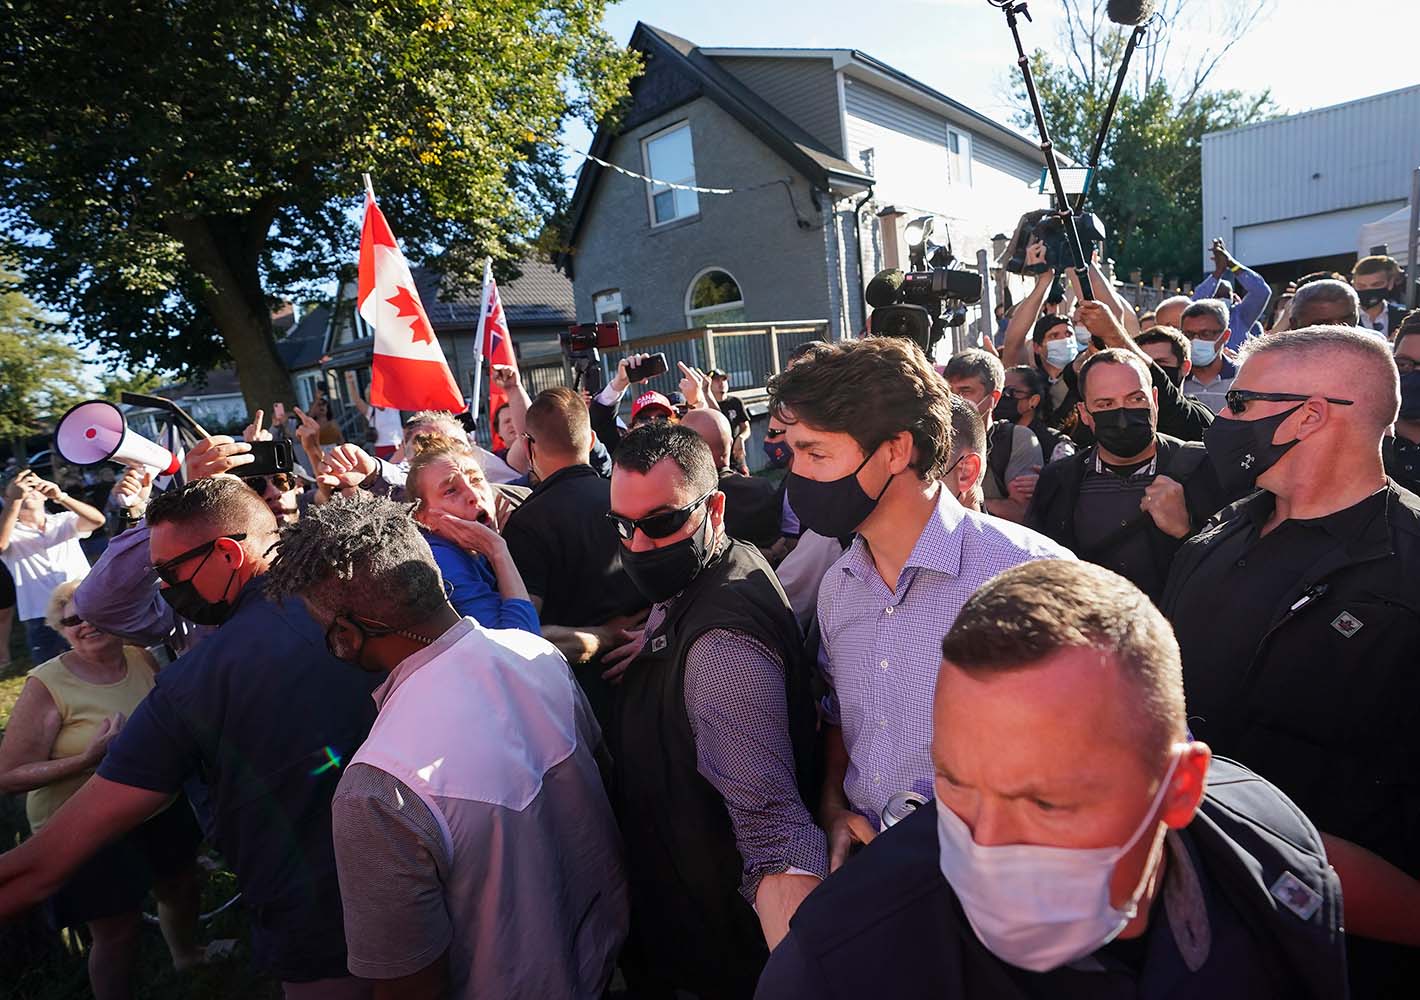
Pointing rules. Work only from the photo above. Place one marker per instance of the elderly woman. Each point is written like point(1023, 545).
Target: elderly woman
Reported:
point(68, 712)
point(457, 507)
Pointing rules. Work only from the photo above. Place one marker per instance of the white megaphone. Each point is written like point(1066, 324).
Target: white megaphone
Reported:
point(95, 432)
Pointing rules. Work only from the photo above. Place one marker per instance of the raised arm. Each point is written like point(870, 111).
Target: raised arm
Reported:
point(507, 378)
point(1018, 330)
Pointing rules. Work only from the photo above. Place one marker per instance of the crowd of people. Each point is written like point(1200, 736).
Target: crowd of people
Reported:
point(1082, 665)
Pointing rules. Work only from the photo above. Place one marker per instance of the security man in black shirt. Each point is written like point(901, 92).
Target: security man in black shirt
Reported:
point(567, 551)
point(1134, 865)
point(1298, 608)
point(1128, 501)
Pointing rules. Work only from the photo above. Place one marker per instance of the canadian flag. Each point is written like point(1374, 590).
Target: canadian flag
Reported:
point(495, 344)
point(409, 370)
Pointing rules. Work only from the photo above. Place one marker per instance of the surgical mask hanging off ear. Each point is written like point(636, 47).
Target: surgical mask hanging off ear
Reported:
point(1036, 907)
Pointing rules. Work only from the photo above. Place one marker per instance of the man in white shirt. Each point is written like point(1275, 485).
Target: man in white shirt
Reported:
point(42, 551)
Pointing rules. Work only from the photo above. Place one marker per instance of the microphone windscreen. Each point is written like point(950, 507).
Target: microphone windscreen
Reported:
point(1130, 12)
point(883, 289)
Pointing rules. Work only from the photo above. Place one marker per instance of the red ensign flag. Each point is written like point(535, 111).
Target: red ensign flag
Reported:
point(498, 349)
point(408, 371)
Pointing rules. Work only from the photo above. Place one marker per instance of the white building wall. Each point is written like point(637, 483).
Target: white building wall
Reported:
point(1300, 186)
point(910, 164)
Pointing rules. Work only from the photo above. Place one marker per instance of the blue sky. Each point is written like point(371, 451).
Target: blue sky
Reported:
point(1310, 53)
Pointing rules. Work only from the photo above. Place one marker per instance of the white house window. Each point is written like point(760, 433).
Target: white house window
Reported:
point(668, 157)
point(606, 306)
point(713, 298)
point(958, 157)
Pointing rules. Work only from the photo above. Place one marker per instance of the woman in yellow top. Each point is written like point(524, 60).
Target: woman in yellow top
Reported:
point(69, 711)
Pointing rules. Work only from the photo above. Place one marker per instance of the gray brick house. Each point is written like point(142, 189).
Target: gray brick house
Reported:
point(830, 152)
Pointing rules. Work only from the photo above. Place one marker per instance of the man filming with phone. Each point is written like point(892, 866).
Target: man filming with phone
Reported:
point(631, 370)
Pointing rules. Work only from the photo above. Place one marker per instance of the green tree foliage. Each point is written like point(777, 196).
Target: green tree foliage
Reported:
point(1149, 190)
point(171, 168)
point(41, 373)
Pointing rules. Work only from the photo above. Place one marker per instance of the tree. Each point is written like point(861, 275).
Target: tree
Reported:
point(41, 374)
point(1149, 189)
point(169, 169)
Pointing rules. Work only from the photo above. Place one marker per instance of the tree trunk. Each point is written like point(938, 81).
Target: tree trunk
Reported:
point(225, 253)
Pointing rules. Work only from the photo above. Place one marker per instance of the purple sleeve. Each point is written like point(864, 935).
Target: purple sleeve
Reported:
point(120, 594)
point(734, 695)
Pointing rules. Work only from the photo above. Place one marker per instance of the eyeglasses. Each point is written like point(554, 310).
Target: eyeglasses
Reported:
point(1203, 334)
point(167, 571)
point(72, 621)
point(774, 432)
point(1013, 393)
point(283, 481)
point(656, 525)
point(1239, 398)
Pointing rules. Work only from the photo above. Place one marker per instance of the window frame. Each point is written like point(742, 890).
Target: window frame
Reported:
point(964, 153)
point(608, 292)
point(691, 313)
point(651, 191)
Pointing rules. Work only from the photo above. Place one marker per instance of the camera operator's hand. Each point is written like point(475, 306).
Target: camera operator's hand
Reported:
point(620, 381)
point(505, 377)
point(1035, 254)
point(253, 431)
point(1096, 317)
point(215, 456)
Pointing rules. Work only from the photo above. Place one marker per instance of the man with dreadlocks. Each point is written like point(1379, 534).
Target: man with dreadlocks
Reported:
point(261, 711)
point(478, 854)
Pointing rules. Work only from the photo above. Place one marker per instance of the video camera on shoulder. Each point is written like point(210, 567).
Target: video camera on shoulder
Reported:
point(921, 304)
point(1049, 228)
point(582, 346)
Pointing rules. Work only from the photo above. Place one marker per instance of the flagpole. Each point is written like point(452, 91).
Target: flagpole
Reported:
point(478, 338)
point(369, 188)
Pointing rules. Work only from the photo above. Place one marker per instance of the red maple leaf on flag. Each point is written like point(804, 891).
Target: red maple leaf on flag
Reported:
point(408, 305)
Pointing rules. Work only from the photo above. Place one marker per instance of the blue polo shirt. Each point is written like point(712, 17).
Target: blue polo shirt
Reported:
point(474, 589)
point(264, 715)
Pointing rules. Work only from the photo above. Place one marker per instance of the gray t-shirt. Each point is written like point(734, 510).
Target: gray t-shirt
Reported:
point(1025, 458)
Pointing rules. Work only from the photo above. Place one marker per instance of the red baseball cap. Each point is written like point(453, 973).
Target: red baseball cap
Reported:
point(648, 400)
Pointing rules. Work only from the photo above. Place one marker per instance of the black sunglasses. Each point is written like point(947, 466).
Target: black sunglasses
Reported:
point(1011, 392)
point(71, 622)
point(167, 571)
point(283, 481)
point(656, 525)
point(1239, 398)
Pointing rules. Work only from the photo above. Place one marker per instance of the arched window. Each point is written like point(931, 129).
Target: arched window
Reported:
point(714, 297)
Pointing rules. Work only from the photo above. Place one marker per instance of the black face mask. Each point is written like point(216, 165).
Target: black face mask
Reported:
point(1174, 373)
point(660, 574)
point(1371, 297)
point(1410, 396)
point(183, 598)
point(1124, 431)
point(1242, 450)
point(836, 508)
point(1008, 409)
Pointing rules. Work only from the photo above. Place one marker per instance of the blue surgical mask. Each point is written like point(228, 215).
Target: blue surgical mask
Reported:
point(1082, 336)
point(1059, 353)
point(1202, 352)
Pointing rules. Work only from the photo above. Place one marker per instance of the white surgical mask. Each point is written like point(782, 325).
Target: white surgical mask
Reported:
point(1061, 352)
point(1036, 907)
point(1082, 336)
point(1202, 352)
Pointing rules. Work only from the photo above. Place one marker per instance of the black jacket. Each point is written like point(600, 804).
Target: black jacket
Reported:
point(1328, 709)
point(887, 924)
point(1057, 493)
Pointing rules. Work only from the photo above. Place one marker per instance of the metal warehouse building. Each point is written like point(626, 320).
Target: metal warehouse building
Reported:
point(1290, 195)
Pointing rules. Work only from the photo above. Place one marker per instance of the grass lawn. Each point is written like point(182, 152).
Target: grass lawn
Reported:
point(36, 964)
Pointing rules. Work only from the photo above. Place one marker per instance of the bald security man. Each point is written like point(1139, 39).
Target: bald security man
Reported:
point(1298, 608)
point(752, 504)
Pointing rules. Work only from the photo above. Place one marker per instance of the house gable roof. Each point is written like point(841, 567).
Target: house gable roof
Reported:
point(705, 77)
point(540, 296)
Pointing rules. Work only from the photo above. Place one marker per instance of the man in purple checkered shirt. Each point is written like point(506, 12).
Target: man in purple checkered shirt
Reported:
point(870, 425)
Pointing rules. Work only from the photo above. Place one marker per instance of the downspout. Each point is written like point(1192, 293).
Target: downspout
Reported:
point(858, 238)
point(830, 264)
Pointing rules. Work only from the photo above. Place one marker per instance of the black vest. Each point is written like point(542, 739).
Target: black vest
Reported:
point(692, 927)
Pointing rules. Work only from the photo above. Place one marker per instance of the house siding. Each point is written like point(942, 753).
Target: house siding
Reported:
point(803, 90)
point(910, 161)
point(753, 234)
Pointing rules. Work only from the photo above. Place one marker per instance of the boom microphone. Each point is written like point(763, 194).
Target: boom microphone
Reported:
point(1130, 13)
point(883, 289)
